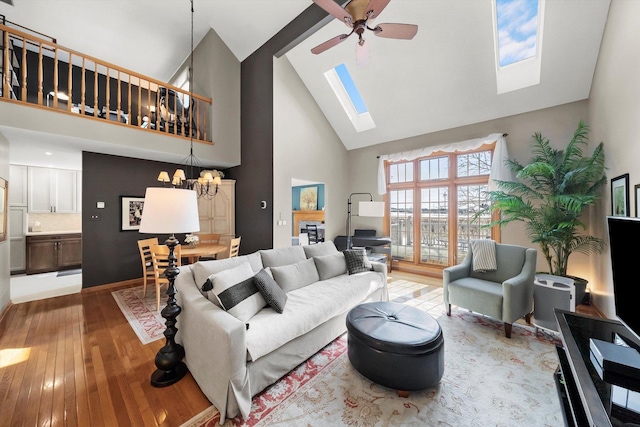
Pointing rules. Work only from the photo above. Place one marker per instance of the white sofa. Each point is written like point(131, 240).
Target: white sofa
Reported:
point(232, 360)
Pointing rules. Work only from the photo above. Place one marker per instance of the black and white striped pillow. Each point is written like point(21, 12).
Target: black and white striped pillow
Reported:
point(235, 292)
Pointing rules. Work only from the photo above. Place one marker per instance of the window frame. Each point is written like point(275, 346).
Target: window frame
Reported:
point(452, 182)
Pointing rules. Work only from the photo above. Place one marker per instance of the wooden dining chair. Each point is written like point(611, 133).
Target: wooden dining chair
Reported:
point(147, 263)
point(208, 237)
point(312, 232)
point(233, 247)
point(160, 260)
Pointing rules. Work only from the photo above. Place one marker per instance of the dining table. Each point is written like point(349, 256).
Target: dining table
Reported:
point(192, 254)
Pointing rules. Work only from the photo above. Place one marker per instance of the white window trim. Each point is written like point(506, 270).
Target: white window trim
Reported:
point(499, 171)
point(361, 122)
point(523, 73)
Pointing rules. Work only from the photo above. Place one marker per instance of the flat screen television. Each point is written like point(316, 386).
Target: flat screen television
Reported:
point(624, 237)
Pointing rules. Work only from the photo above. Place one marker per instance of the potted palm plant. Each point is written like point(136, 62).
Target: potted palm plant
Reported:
point(550, 195)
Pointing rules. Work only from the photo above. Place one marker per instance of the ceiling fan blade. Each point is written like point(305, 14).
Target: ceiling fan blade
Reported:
point(376, 6)
point(362, 54)
point(333, 9)
point(329, 43)
point(396, 31)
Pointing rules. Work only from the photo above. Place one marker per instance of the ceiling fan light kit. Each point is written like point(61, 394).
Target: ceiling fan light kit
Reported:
point(356, 15)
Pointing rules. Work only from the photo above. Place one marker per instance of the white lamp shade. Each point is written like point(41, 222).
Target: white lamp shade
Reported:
point(169, 211)
point(373, 209)
point(163, 176)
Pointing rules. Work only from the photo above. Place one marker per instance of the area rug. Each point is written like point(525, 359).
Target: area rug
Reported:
point(489, 380)
point(141, 312)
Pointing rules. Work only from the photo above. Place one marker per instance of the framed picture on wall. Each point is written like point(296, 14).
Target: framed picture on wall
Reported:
point(309, 199)
point(3, 209)
point(131, 208)
point(620, 195)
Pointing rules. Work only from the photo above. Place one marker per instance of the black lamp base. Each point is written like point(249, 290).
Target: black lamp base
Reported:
point(161, 378)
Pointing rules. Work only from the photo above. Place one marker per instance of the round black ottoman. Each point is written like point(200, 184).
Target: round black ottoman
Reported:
point(395, 345)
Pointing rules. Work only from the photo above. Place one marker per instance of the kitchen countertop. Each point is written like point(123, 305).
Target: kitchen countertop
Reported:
point(52, 233)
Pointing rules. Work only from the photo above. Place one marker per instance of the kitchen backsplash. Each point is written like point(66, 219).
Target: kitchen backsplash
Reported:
point(56, 222)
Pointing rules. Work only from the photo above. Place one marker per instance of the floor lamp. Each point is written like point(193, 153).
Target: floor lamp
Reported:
point(170, 211)
point(365, 208)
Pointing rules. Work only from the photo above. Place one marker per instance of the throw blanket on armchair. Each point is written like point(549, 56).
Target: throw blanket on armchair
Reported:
point(484, 255)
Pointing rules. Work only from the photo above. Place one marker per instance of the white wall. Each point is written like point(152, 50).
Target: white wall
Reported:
point(304, 147)
point(556, 123)
point(4, 246)
point(614, 109)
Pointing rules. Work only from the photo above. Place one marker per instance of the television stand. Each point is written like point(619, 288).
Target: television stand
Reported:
point(586, 398)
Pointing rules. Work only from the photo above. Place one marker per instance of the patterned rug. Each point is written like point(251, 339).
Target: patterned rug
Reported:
point(489, 380)
point(141, 312)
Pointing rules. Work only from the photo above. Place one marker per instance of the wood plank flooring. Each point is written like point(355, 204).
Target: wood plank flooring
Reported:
point(75, 361)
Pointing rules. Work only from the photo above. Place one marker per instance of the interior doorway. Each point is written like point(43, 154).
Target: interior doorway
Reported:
point(307, 208)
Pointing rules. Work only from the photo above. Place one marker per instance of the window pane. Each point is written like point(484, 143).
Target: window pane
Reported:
point(471, 198)
point(401, 172)
point(434, 225)
point(401, 221)
point(435, 168)
point(474, 164)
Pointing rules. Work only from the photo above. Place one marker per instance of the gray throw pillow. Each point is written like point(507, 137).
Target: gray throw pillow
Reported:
point(294, 276)
point(320, 249)
point(282, 256)
point(331, 265)
point(271, 292)
point(357, 261)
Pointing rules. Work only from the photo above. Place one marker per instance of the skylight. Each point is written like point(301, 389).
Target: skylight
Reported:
point(349, 97)
point(518, 42)
point(517, 30)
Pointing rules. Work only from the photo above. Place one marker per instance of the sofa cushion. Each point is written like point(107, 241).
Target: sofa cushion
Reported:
point(234, 291)
point(203, 269)
point(282, 256)
point(307, 308)
point(271, 292)
point(329, 266)
point(357, 261)
point(320, 249)
point(294, 276)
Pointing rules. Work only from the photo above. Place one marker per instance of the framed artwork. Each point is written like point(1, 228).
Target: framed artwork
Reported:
point(131, 215)
point(637, 188)
point(620, 195)
point(3, 209)
point(309, 199)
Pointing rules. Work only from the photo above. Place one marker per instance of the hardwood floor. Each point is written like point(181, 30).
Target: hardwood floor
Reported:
point(74, 360)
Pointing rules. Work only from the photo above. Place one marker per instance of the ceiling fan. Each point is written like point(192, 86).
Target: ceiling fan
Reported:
point(356, 15)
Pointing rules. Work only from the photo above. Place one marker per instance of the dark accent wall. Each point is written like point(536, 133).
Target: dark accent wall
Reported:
point(108, 254)
point(254, 177)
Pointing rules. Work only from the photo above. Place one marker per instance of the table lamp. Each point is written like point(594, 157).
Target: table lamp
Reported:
point(170, 211)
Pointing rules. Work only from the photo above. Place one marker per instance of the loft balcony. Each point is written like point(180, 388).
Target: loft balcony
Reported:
point(37, 72)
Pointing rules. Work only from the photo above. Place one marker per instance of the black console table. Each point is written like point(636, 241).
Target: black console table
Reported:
point(588, 400)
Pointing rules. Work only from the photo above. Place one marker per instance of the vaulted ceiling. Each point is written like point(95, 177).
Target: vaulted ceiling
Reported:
point(445, 77)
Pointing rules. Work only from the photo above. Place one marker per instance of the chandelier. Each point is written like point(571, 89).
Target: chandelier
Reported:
point(205, 182)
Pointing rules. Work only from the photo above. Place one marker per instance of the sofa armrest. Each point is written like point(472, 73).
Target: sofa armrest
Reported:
point(215, 348)
point(381, 267)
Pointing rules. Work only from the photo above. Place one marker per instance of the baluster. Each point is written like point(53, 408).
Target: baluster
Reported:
point(175, 111)
point(118, 99)
point(24, 69)
point(6, 81)
point(95, 90)
point(139, 102)
point(149, 103)
point(157, 107)
point(83, 86)
point(70, 83)
point(129, 103)
point(184, 124)
point(204, 116)
point(108, 89)
point(55, 78)
point(40, 74)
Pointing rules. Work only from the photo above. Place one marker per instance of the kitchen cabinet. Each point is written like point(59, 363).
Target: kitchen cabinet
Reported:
point(53, 190)
point(53, 252)
point(18, 180)
point(17, 238)
point(218, 215)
